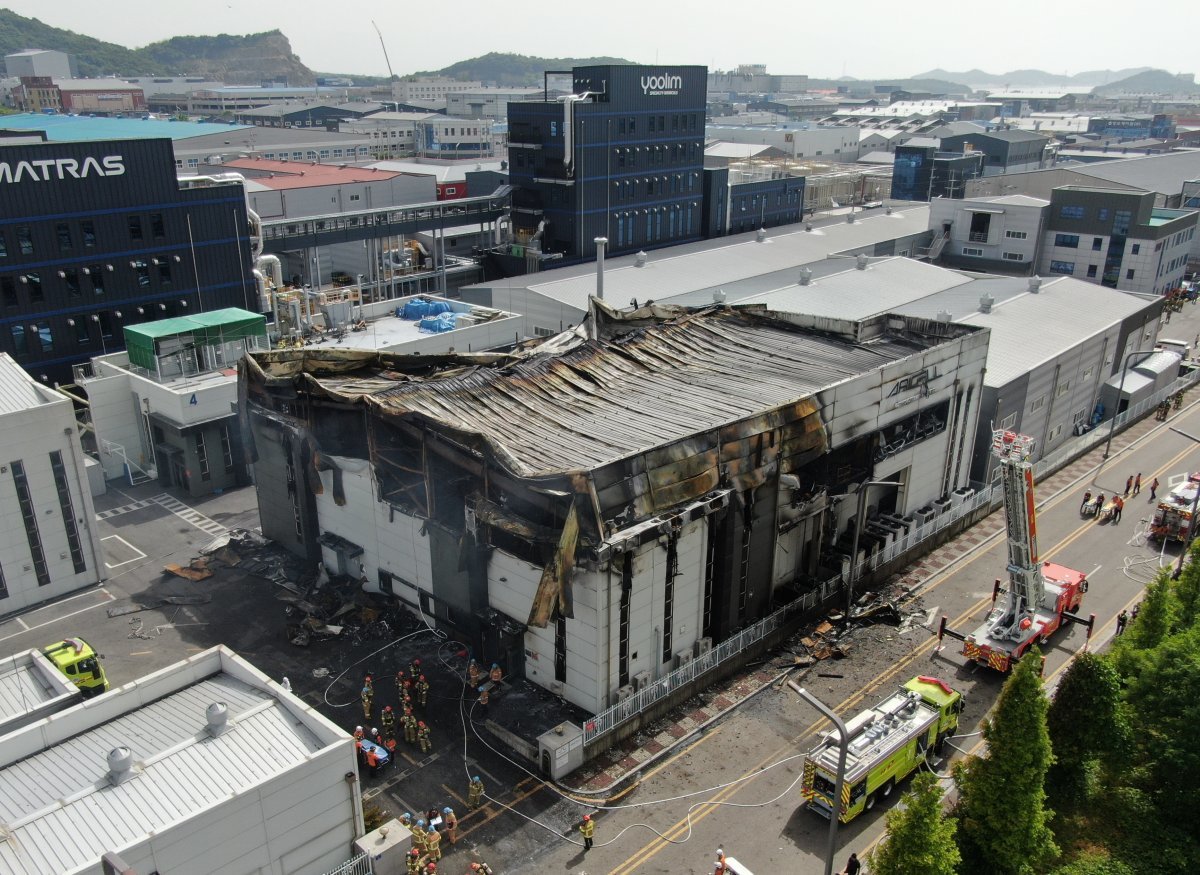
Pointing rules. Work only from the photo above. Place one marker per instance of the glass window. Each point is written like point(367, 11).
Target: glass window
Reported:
point(1135, 249)
point(143, 273)
point(135, 228)
point(1102, 214)
point(20, 346)
point(33, 280)
point(8, 289)
point(71, 280)
point(1121, 220)
point(1097, 244)
point(25, 240)
point(157, 228)
point(1070, 212)
point(81, 330)
point(105, 320)
point(1063, 267)
point(1129, 274)
point(1091, 271)
point(164, 273)
point(63, 231)
point(3, 246)
point(1071, 241)
point(87, 230)
point(96, 275)
point(41, 332)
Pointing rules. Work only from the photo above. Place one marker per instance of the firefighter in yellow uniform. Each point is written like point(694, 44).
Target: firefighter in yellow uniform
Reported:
point(587, 829)
point(423, 737)
point(410, 727)
point(450, 824)
point(388, 719)
point(419, 838)
point(474, 793)
point(368, 696)
point(414, 862)
point(433, 845)
point(422, 689)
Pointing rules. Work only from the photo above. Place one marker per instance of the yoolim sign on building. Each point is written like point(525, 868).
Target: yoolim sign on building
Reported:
point(661, 85)
point(651, 88)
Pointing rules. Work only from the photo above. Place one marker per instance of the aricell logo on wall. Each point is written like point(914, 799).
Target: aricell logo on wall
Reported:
point(47, 169)
point(664, 84)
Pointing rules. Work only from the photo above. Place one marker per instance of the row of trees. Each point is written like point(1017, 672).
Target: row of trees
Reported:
point(1104, 780)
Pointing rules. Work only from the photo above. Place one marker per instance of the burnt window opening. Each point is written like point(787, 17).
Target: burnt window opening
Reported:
point(744, 564)
point(623, 636)
point(560, 650)
point(710, 560)
point(669, 595)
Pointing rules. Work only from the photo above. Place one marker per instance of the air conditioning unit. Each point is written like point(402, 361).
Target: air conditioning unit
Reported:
point(961, 496)
point(556, 687)
point(682, 657)
point(641, 680)
point(925, 515)
point(941, 505)
point(703, 645)
point(625, 692)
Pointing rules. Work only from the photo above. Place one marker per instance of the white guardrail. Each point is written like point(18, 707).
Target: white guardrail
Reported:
point(606, 721)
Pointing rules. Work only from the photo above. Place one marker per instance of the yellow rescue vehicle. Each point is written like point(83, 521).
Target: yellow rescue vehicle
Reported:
point(76, 659)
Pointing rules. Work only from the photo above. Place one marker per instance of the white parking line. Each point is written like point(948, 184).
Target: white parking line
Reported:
point(140, 554)
point(109, 598)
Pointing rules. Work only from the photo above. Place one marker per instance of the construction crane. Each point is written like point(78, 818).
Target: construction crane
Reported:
point(391, 75)
point(1041, 596)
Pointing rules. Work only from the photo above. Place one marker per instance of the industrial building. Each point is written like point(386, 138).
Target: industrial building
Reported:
point(163, 408)
point(491, 103)
point(922, 170)
point(49, 545)
point(1117, 238)
point(206, 766)
point(95, 236)
point(619, 158)
point(307, 114)
point(39, 62)
point(1052, 345)
point(556, 501)
point(1005, 151)
point(993, 234)
point(729, 268)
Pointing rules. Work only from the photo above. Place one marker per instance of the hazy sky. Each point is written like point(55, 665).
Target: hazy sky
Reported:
point(868, 38)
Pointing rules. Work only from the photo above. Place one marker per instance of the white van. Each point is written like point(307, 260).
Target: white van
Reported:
point(1182, 347)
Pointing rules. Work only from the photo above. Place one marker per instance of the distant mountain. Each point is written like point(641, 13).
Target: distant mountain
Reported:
point(511, 70)
point(1033, 78)
point(249, 59)
point(1151, 82)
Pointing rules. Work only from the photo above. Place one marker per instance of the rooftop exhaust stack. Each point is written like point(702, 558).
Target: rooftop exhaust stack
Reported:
point(601, 243)
point(218, 718)
point(805, 276)
point(1035, 284)
point(120, 765)
point(640, 259)
point(985, 303)
point(944, 316)
point(719, 296)
point(761, 236)
point(861, 262)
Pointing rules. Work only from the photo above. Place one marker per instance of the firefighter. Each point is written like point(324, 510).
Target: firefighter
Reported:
point(422, 689)
point(474, 793)
point(418, 837)
point(372, 761)
point(368, 696)
point(431, 868)
point(409, 722)
point(473, 674)
point(1087, 499)
point(358, 733)
point(423, 736)
point(369, 684)
point(433, 844)
point(1137, 483)
point(375, 737)
point(1128, 485)
point(483, 701)
point(1122, 619)
point(413, 861)
point(401, 677)
point(587, 829)
point(496, 675)
point(390, 744)
point(388, 719)
point(414, 670)
point(450, 825)
point(1153, 488)
point(1118, 506)
point(482, 868)
point(407, 820)
point(722, 868)
point(360, 752)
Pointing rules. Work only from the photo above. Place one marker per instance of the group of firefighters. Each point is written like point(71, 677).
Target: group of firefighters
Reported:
point(412, 691)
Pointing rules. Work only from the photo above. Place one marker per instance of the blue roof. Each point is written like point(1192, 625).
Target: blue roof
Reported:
point(82, 129)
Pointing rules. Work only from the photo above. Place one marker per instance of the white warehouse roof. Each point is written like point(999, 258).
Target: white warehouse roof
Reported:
point(55, 775)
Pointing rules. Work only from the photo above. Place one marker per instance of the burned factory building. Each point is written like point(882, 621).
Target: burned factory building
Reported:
point(592, 508)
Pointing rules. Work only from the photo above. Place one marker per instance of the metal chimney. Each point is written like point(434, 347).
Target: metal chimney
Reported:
point(1035, 284)
point(805, 276)
point(640, 259)
point(944, 316)
point(861, 262)
point(601, 243)
point(218, 718)
point(985, 303)
point(120, 765)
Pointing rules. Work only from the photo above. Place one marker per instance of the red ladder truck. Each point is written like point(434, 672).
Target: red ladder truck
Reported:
point(1041, 596)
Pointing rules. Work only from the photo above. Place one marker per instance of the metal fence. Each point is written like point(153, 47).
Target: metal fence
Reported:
point(607, 721)
point(360, 865)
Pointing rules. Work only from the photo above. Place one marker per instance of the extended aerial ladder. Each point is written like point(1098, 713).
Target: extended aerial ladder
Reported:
point(1041, 596)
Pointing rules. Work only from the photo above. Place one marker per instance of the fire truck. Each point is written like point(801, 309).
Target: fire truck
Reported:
point(887, 744)
point(1041, 596)
point(1172, 519)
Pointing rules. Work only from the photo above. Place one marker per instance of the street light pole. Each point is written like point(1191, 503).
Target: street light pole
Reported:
point(860, 520)
point(1112, 423)
point(843, 750)
point(1187, 548)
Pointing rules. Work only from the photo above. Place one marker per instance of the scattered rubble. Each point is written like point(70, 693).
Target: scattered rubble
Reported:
point(177, 600)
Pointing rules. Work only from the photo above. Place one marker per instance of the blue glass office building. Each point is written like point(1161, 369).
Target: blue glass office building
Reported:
point(98, 235)
point(622, 157)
